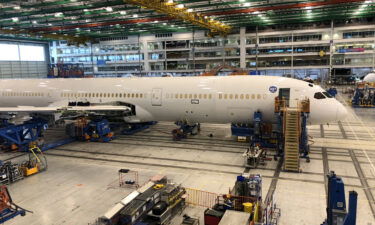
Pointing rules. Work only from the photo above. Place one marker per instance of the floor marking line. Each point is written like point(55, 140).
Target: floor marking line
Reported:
point(275, 178)
point(325, 168)
point(363, 150)
point(369, 196)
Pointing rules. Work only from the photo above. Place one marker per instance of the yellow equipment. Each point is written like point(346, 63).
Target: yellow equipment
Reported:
point(159, 186)
point(178, 11)
point(248, 207)
point(34, 164)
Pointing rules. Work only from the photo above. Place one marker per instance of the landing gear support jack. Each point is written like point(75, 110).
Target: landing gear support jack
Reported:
point(184, 130)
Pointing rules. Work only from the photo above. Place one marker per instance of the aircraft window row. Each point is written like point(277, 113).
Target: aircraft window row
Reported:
point(103, 95)
point(23, 94)
point(241, 96)
point(189, 96)
point(319, 95)
point(220, 96)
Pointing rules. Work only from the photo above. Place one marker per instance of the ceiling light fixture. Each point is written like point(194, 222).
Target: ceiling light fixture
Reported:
point(59, 14)
point(15, 19)
point(109, 9)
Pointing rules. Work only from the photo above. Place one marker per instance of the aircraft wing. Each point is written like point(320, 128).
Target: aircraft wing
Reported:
point(66, 108)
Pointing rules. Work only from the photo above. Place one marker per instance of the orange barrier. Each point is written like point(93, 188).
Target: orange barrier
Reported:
point(209, 199)
point(200, 198)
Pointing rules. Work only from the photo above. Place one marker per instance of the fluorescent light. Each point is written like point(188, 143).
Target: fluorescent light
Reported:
point(85, 10)
point(17, 7)
point(34, 22)
point(15, 19)
point(242, 0)
point(109, 9)
point(247, 4)
point(123, 12)
point(135, 15)
point(59, 14)
point(190, 10)
point(308, 7)
point(180, 6)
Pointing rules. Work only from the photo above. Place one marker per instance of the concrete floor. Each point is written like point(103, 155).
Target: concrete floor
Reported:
point(79, 183)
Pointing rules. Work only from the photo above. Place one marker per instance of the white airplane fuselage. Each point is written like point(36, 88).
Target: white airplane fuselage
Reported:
point(194, 99)
point(370, 77)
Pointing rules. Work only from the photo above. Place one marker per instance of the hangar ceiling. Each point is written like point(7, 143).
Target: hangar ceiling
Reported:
point(110, 18)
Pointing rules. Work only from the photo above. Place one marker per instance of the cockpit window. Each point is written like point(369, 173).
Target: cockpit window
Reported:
point(327, 95)
point(319, 95)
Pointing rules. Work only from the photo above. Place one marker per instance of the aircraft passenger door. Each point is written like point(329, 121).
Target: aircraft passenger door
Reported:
point(284, 94)
point(156, 97)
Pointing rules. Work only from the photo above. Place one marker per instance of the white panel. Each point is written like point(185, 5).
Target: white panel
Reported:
point(32, 53)
point(9, 52)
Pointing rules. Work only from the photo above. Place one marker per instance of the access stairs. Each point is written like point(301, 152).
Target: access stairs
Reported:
point(292, 126)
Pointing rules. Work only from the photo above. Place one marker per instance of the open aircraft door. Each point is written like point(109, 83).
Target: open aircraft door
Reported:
point(284, 94)
point(156, 97)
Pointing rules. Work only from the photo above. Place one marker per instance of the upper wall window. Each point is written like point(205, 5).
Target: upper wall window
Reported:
point(9, 52)
point(32, 53)
point(16, 52)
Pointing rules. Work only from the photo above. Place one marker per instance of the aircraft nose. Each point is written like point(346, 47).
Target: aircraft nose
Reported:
point(341, 113)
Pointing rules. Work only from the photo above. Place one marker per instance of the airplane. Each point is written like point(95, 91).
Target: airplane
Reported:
point(219, 99)
point(370, 77)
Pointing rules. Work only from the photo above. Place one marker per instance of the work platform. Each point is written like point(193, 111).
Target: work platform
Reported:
point(293, 122)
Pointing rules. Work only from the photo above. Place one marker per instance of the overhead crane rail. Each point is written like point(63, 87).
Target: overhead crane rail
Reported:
point(72, 40)
point(175, 12)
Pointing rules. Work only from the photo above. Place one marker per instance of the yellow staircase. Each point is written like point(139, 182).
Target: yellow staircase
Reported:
point(291, 139)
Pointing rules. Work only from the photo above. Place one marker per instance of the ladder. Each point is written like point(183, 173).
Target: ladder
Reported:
point(291, 139)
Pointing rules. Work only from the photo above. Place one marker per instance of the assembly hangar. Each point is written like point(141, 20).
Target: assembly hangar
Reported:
point(214, 112)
